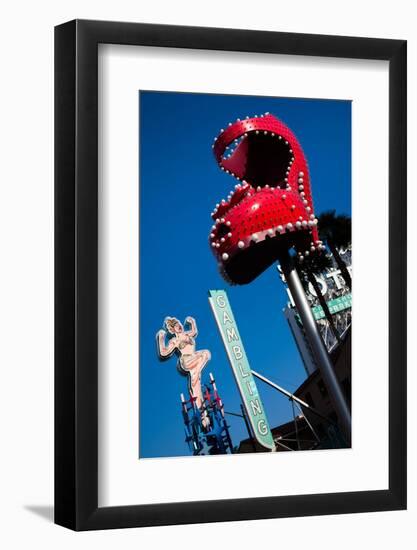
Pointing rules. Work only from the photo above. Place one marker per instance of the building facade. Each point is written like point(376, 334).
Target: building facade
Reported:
point(339, 301)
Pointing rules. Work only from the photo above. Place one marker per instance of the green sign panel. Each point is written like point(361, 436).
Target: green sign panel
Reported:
point(336, 305)
point(240, 367)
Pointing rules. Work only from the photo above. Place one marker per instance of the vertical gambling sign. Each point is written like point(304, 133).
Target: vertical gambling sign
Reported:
point(240, 366)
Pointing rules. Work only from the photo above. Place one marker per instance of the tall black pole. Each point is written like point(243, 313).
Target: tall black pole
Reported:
point(242, 408)
point(317, 345)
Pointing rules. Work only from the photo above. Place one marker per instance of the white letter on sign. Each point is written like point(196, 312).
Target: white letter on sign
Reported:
point(221, 302)
point(256, 408)
point(262, 429)
point(244, 374)
point(226, 318)
point(237, 352)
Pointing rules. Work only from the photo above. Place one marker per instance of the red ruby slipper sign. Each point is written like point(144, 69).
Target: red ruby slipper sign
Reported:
point(271, 209)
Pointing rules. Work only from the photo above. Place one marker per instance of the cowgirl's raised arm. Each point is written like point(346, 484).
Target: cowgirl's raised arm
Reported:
point(193, 326)
point(164, 350)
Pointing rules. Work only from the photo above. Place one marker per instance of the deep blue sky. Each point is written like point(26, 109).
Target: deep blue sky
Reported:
point(180, 183)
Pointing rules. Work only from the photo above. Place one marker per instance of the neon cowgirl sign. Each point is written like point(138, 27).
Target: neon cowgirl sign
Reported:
point(190, 361)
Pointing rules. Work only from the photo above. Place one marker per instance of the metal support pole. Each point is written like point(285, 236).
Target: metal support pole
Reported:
point(308, 423)
point(282, 445)
point(242, 408)
point(295, 425)
point(316, 343)
point(291, 396)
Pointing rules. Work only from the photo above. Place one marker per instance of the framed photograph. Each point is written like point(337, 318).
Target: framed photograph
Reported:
point(230, 275)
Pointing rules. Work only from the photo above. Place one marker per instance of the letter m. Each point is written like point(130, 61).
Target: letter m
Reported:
point(231, 334)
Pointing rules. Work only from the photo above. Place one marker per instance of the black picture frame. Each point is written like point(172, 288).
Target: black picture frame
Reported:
point(76, 272)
